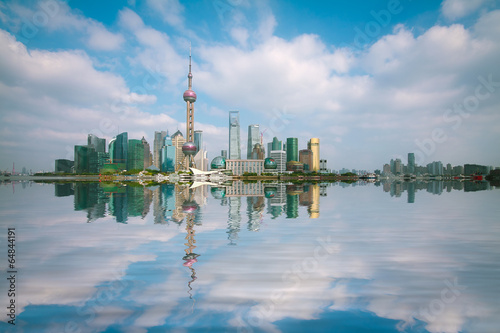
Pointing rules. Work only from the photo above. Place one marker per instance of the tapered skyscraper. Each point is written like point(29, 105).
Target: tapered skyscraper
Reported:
point(234, 135)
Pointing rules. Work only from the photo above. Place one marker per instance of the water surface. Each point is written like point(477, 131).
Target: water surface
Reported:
point(400, 257)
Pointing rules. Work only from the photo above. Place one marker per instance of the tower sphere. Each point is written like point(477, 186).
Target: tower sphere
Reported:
point(189, 207)
point(189, 148)
point(189, 96)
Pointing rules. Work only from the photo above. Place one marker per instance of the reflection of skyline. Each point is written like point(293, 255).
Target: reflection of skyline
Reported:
point(436, 187)
point(156, 252)
point(123, 201)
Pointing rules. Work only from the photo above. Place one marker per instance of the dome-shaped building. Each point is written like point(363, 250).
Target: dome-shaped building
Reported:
point(270, 192)
point(218, 192)
point(270, 163)
point(218, 163)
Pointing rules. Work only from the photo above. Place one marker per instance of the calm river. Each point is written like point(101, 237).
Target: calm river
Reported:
point(362, 257)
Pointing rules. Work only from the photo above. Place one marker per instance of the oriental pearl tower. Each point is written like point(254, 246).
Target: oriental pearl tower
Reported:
point(189, 148)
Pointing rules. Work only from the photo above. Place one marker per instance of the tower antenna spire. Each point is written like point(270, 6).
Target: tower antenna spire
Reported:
point(190, 76)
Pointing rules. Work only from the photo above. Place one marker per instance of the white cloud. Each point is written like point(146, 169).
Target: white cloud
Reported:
point(102, 39)
point(456, 9)
point(55, 15)
point(170, 10)
point(157, 52)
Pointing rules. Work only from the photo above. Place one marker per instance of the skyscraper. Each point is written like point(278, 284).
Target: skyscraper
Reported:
point(200, 158)
point(157, 144)
point(148, 158)
point(98, 143)
point(135, 160)
point(178, 141)
point(120, 150)
point(168, 155)
point(253, 139)
point(292, 149)
point(82, 159)
point(276, 144)
point(234, 135)
point(411, 163)
point(314, 147)
point(198, 140)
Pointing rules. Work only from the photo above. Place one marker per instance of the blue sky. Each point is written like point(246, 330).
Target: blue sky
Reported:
point(373, 80)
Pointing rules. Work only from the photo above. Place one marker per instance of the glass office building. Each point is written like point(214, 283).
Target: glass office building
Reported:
point(292, 149)
point(135, 160)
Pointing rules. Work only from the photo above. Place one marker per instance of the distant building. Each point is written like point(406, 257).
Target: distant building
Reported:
point(398, 167)
point(64, 166)
point(292, 149)
point(234, 135)
point(239, 167)
point(313, 145)
point(435, 168)
point(223, 153)
point(323, 167)
point(386, 169)
point(411, 163)
point(253, 139)
point(470, 169)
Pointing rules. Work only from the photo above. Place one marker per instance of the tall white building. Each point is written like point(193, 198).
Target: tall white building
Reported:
point(279, 157)
point(234, 135)
point(253, 139)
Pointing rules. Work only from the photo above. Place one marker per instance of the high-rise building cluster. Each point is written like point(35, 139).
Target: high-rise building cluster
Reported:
point(170, 153)
point(436, 168)
point(281, 156)
point(175, 152)
point(122, 154)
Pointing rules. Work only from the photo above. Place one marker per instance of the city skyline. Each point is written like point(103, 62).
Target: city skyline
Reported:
point(372, 81)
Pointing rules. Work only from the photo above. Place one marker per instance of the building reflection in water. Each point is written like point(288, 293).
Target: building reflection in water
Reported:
point(436, 187)
point(124, 201)
point(190, 210)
